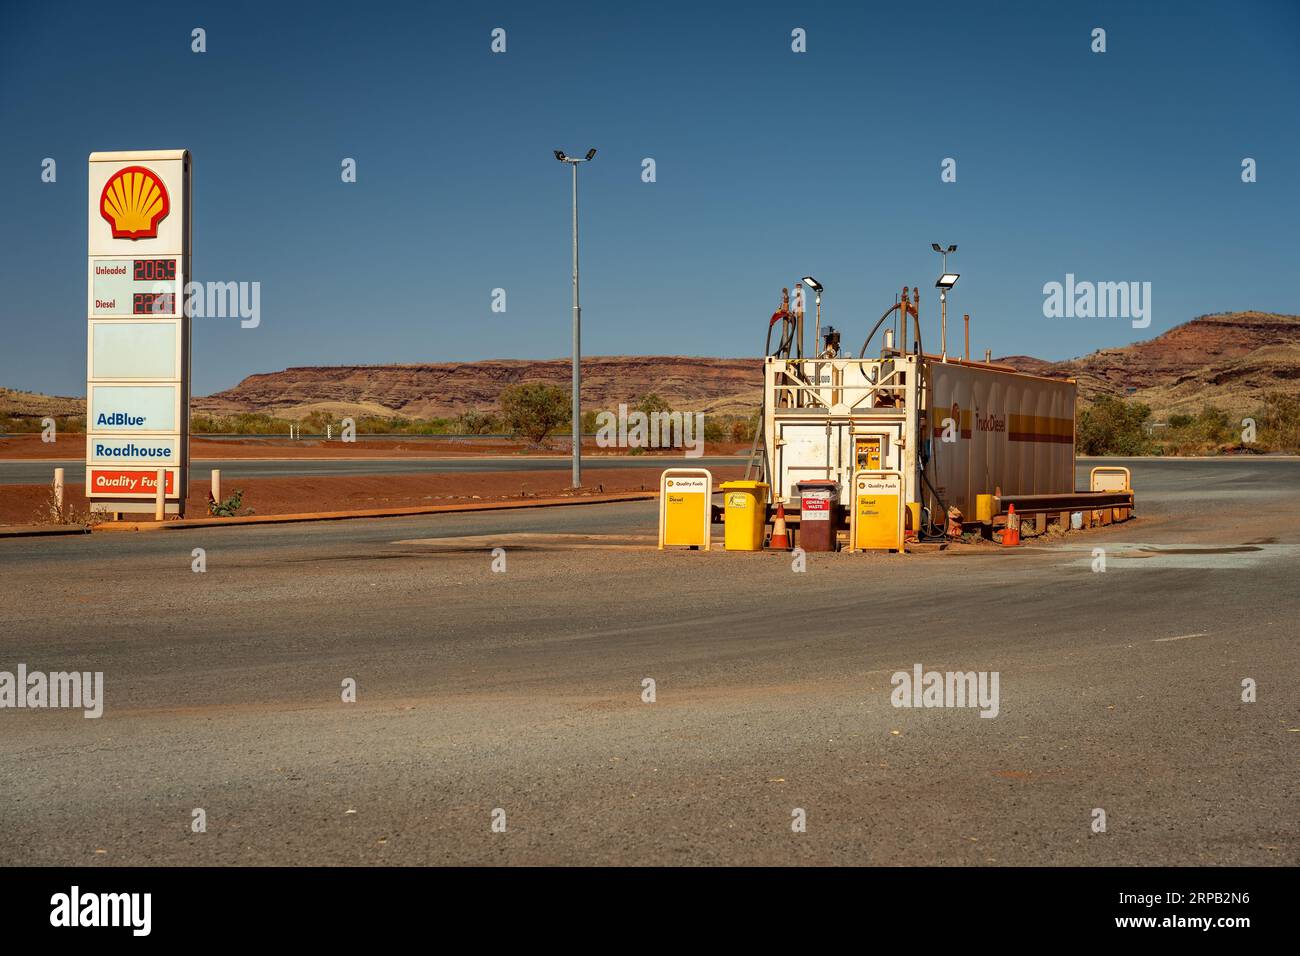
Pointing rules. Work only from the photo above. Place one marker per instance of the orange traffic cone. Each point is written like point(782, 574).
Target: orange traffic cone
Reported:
point(1011, 533)
point(780, 539)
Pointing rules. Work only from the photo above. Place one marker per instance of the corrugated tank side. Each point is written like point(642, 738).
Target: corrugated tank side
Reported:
point(1010, 431)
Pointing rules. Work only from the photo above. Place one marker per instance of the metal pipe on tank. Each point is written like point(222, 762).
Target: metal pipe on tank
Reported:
point(916, 318)
point(798, 311)
point(906, 308)
point(943, 328)
point(897, 336)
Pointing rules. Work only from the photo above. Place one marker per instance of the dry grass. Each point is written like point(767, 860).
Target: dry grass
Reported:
point(67, 513)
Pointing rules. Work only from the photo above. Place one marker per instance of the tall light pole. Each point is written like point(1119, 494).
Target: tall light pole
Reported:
point(816, 286)
point(577, 322)
point(946, 281)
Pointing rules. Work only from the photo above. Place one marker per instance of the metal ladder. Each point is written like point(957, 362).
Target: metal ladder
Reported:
point(757, 454)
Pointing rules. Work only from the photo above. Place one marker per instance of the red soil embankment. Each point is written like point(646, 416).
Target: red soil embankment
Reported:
point(26, 504)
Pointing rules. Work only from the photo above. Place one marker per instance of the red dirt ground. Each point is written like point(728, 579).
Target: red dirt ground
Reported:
point(72, 447)
point(24, 504)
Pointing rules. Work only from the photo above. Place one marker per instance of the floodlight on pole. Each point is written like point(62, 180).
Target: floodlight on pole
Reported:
point(576, 400)
point(816, 286)
point(946, 281)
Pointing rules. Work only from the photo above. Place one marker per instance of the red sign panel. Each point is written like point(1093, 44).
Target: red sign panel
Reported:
point(116, 481)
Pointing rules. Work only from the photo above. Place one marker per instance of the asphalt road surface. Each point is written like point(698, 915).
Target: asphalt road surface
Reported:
point(34, 472)
point(518, 696)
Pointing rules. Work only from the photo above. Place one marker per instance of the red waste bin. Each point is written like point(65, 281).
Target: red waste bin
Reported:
point(819, 511)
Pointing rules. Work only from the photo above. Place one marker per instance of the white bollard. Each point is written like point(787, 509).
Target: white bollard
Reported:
point(160, 495)
point(58, 489)
point(216, 485)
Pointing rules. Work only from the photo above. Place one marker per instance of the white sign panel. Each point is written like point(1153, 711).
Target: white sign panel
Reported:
point(133, 408)
point(149, 285)
point(137, 337)
point(135, 350)
point(136, 204)
point(112, 450)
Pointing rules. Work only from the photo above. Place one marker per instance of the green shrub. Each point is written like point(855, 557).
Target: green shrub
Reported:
point(477, 423)
point(742, 429)
point(1279, 422)
point(1113, 426)
point(652, 403)
point(228, 508)
point(534, 410)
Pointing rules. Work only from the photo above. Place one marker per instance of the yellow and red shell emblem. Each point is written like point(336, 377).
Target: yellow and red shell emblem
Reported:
point(133, 202)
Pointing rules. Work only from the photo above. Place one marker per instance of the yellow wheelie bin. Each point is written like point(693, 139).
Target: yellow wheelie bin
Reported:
point(744, 514)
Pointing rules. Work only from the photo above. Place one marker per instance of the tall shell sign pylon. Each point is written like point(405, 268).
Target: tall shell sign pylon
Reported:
point(133, 202)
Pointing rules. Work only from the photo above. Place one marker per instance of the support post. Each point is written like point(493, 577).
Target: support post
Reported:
point(575, 401)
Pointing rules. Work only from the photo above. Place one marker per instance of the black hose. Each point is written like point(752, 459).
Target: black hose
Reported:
point(943, 534)
point(787, 339)
point(782, 351)
point(876, 328)
point(943, 505)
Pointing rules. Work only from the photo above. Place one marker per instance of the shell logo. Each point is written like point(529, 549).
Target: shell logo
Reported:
point(133, 202)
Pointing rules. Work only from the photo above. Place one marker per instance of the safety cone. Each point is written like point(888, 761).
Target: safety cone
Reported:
point(1011, 533)
point(780, 539)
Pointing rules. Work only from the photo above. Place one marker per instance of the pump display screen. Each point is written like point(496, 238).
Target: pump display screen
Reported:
point(152, 303)
point(153, 270)
point(125, 287)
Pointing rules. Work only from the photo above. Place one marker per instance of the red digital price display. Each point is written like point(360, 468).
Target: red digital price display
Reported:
point(153, 303)
point(153, 270)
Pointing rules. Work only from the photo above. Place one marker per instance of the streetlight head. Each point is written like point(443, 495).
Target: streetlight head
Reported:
point(935, 247)
point(952, 248)
point(812, 283)
point(559, 154)
point(591, 153)
point(947, 280)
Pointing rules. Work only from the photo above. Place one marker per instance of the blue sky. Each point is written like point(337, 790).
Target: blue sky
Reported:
point(1122, 166)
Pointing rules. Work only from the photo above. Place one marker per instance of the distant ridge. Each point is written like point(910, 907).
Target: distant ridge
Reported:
point(1229, 359)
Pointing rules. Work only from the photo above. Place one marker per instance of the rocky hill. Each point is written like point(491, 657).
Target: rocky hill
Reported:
point(34, 405)
point(717, 385)
point(1230, 360)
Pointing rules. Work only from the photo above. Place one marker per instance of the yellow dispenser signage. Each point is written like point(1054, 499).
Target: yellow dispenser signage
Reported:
point(877, 511)
point(685, 512)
